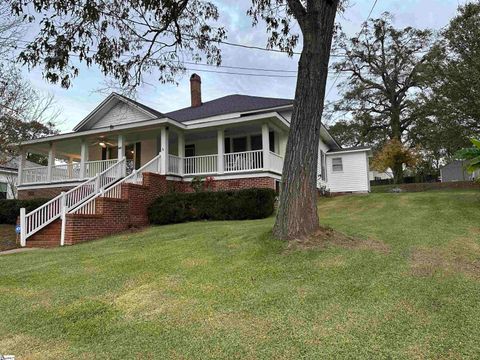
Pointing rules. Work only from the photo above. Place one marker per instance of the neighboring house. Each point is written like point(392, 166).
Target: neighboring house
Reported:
point(238, 140)
point(456, 171)
point(9, 178)
point(376, 175)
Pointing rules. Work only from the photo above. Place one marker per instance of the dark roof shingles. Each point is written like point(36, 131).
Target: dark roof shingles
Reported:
point(225, 105)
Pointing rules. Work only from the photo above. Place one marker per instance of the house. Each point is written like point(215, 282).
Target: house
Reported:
point(103, 175)
point(376, 175)
point(9, 176)
point(456, 171)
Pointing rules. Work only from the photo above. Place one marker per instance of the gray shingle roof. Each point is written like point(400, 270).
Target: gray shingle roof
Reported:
point(225, 105)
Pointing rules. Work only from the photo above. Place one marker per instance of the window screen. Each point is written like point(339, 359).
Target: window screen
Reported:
point(337, 164)
point(3, 190)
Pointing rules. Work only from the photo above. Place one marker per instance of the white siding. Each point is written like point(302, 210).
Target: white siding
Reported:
point(8, 177)
point(120, 114)
point(149, 151)
point(354, 177)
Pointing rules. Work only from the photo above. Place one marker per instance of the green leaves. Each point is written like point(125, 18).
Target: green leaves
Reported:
point(472, 155)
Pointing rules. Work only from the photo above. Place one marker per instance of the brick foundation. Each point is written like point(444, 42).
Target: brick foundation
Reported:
point(113, 216)
point(44, 193)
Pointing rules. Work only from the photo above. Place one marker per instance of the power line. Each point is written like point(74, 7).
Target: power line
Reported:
point(364, 25)
point(246, 74)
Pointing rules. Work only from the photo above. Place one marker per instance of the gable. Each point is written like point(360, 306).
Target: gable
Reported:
point(121, 113)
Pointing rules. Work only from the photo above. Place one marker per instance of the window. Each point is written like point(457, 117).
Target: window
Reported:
point(271, 140)
point(337, 165)
point(3, 190)
point(189, 150)
point(240, 144)
point(256, 142)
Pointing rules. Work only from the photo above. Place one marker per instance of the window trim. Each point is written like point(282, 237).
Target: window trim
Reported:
point(341, 165)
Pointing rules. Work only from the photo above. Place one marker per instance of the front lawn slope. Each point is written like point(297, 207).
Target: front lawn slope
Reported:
point(228, 290)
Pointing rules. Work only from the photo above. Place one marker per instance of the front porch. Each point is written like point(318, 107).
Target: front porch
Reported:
point(220, 152)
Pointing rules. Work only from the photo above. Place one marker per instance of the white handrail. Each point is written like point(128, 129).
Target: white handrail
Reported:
point(203, 164)
point(60, 205)
point(115, 191)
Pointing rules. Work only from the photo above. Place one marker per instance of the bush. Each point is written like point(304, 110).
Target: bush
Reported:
point(221, 205)
point(10, 209)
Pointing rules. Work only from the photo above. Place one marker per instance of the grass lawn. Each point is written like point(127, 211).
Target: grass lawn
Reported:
point(408, 288)
point(7, 237)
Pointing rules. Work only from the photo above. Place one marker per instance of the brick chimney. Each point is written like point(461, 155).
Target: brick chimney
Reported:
point(196, 90)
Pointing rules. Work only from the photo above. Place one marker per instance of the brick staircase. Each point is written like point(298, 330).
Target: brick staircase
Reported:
point(111, 215)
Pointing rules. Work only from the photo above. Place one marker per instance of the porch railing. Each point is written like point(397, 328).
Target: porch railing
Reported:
point(174, 163)
point(65, 172)
point(57, 207)
point(206, 164)
point(243, 161)
point(276, 162)
point(93, 168)
point(35, 175)
point(115, 191)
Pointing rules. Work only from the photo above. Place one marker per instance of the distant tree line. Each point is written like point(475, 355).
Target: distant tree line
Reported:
point(411, 94)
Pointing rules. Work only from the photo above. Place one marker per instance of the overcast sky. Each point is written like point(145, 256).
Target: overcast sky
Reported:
point(82, 97)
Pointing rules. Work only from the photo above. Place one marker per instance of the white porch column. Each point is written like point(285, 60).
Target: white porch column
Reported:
point(21, 166)
point(164, 150)
point(220, 151)
point(282, 146)
point(83, 159)
point(51, 161)
point(120, 148)
point(266, 146)
point(181, 151)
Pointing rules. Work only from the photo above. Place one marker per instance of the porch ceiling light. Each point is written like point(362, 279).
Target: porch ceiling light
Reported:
point(102, 144)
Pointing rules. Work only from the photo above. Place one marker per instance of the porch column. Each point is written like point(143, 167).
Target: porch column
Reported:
point(21, 166)
point(220, 151)
point(181, 151)
point(266, 146)
point(164, 150)
point(120, 148)
point(51, 161)
point(83, 158)
point(282, 146)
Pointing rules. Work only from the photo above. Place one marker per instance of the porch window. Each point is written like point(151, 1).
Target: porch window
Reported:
point(256, 142)
point(3, 190)
point(189, 150)
point(271, 136)
point(240, 144)
point(337, 165)
point(227, 146)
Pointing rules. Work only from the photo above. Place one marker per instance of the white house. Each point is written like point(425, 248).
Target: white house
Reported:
point(9, 177)
point(238, 140)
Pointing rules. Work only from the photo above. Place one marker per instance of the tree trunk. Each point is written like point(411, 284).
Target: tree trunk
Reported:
point(398, 173)
point(297, 214)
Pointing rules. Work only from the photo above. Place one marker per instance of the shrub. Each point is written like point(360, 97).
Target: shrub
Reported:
point(10, 209)
point(221, 205)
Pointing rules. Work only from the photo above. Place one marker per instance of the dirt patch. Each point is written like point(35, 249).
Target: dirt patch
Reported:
point(8, 237)
point(326, 237)
point(459, 256)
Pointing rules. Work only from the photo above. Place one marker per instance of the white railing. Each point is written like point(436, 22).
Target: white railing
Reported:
point(276, 162)
point(115, 191)
point(93, 168)
point(174, 163)
point(243, 161)
point(65, 172)
point(35, 175)
point(57, 207)
point(206, 164)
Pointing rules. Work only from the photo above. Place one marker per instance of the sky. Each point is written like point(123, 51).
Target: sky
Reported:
point(83, 96)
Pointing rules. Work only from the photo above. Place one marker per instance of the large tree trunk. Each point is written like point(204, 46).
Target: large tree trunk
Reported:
point(297, 214)
point(398, 173)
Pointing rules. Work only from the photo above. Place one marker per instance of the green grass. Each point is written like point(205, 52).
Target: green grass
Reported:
point(228, 290)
